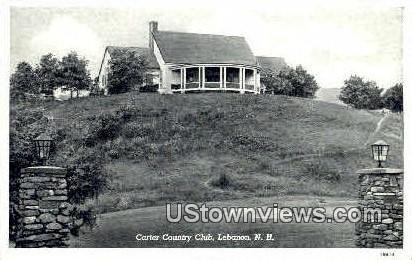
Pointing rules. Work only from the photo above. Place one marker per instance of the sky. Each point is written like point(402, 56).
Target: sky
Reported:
point(331, 43)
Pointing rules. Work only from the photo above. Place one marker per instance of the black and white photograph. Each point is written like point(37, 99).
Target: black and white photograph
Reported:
point(205, 124)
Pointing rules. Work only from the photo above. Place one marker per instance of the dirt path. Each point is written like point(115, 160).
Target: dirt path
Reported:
point(377, 128)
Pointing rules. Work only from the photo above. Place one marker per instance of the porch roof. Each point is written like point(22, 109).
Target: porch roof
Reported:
point(194, 48)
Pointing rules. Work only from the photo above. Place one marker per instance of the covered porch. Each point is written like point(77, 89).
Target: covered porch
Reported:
point(215, 77)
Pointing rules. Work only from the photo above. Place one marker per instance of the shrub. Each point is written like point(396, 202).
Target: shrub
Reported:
point(114, 154)
point(86, 177)
point(320, 171)
point(393, 98)
point(251, 143)
point(137, 129)
point(131, 130)
point(149, 88)
point(223, 181)
point(102, 128)
point(83, 215)
point(291, 82)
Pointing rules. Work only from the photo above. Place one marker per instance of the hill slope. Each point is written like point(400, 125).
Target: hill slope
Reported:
point(214, 146)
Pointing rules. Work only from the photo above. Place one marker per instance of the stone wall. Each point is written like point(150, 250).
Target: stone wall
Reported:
point(381, 188)
point(44, 211)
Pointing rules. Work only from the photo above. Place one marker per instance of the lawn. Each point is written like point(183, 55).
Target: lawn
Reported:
point(118, 229)
point(169, 148)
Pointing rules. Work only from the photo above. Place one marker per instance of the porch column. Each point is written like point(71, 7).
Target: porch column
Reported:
point(254, 80)
point(240, 78)
point(181, 78)
point(203, 76)
point(184, 80)
point(221, 77)
point(242, 85)
point(224, 77)
point(199, 76)
point(258, 81)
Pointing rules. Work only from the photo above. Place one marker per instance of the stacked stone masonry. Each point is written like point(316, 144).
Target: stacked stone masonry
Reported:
point(44, 211)
point(381, 188)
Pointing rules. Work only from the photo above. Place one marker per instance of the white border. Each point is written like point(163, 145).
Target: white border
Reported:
point(11, 253)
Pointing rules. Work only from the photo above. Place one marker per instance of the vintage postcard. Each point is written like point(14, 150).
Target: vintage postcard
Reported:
point(209, 124)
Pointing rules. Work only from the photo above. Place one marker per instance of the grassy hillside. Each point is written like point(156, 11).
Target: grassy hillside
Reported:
point(214, 146)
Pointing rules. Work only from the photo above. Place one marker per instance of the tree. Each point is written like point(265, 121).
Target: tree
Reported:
point(361, 94)
point(276, 83)
point(73, 73)
point(47, 71)
point(393, 98)
point(126, 71)
point(303, 83)
point(23, 81)
point(291, 82)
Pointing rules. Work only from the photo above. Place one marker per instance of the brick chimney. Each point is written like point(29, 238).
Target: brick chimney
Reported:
point(152, 30)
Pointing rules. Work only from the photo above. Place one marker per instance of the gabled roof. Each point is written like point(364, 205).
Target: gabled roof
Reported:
point(193, 48)
point(139, 51)
point(274, 64)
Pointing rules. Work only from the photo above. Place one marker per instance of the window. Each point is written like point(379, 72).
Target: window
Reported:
point(212, 74)
point(192, 77)
point(212, 77)
point(249, 79)
point(232, 77)
point(176, 79)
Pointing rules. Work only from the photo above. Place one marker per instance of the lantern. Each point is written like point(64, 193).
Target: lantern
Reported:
point(42, 146)
point(380, 151)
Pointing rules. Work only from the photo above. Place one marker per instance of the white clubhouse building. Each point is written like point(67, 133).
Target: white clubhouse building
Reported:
point(183, 62)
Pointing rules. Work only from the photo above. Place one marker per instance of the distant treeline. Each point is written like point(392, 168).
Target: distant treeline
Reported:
point(70, 73)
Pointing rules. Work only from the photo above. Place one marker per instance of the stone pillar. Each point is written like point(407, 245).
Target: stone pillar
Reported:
point(381, 188)
point(43, 207)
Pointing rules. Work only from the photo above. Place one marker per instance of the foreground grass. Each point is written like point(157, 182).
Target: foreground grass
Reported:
point(176, 147)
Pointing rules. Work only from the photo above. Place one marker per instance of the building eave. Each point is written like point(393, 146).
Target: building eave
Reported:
point(101, 64)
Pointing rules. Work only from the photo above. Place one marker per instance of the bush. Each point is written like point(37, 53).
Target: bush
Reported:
point(393, 98)
point(102, 128)
point(291, 82)
point(137, 129)
point(149, 88)
point(114, 154)
point(86, 177)
point(223, 181)
point(83, 215)
point(320, 171)
point(251, 143)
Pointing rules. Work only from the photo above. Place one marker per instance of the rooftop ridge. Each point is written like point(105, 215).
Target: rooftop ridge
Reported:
point(262, 56)
point(206, 34)
point(113, 46)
